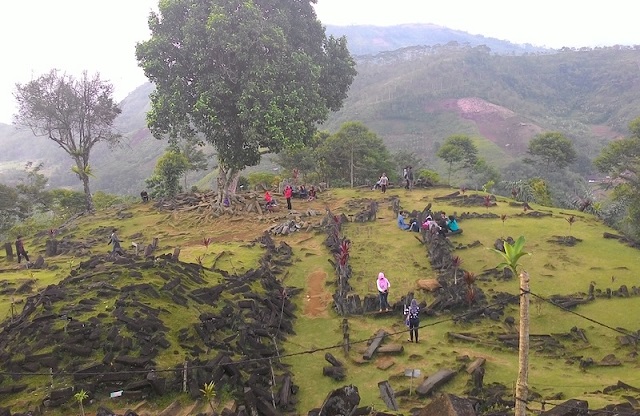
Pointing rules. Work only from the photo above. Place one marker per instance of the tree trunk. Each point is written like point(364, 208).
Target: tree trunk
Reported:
point(224, 180)
point(523, 350)
point(351, 166)
point(87, 193)
point(233, 183)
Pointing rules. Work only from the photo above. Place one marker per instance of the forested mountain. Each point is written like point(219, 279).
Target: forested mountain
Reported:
point(413, 98)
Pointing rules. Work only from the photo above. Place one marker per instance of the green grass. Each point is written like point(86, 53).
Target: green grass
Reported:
point(381, 246)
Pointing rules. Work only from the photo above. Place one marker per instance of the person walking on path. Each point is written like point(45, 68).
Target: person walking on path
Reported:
point(384, 181)
point(412, 318)
point(287, 194)
point(20, 251)
point(383, 292)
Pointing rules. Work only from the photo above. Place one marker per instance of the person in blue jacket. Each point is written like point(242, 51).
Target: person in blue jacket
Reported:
point(401, 224)
point(452, 224)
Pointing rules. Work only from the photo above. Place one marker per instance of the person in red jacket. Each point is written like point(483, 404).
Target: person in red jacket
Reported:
point(268, 199)
point(287, 194)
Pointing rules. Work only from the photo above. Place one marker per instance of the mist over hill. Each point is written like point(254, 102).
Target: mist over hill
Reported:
point(413, 97)
point(370, 40)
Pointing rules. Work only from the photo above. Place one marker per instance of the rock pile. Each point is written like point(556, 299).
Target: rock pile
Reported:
point(106, 326)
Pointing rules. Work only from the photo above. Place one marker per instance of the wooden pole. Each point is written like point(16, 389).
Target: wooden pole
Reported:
point(523, 350)
point(184, 377)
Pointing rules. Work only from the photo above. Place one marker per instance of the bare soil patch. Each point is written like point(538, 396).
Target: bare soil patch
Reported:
point(317, 298)
point(498, 124)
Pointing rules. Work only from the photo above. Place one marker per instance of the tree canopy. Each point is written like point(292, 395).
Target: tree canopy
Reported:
point(251, 77)
point(167, 173)
point(552, 151)
point(458, 151)
point(356, 155)
point(74, 113)
point(620, 160)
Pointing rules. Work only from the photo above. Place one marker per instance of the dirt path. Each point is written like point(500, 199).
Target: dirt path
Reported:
point(317, 297)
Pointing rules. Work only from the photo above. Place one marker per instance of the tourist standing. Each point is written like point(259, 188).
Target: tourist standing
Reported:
point(20, 251)
point(384, 181)
point(412, 318)
point(113, 239)
point(287, 194)
point(410, 178)
point(383, 291)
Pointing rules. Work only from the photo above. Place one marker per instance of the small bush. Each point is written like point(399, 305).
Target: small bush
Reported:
point(428, 176)
point(266, 179)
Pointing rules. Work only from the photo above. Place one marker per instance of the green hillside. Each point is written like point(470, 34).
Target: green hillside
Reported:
point(413, 98)
point(230, 276)
point(416, 97)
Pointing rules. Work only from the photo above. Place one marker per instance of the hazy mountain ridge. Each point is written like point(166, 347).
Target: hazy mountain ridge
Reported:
point(369, 39)
point(413, 97)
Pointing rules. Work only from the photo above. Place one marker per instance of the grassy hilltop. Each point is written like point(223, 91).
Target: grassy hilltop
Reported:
point(555, 373)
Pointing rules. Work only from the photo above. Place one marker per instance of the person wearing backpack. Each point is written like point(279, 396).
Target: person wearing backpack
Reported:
point(412, 319)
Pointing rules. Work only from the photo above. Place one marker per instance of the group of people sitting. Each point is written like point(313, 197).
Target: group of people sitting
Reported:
point(410, 225)
point(442, 225)
point(302, 192)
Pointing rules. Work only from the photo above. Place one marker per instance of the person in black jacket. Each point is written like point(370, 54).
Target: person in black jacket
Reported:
point(20, 251)
point(412, 319)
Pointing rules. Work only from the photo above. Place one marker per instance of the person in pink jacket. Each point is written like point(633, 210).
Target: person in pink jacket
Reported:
point(287, 194)
point(383, 291)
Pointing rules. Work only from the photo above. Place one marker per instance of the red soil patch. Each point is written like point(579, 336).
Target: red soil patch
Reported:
point(498, 124)
point(605, 131)
point(317, 298)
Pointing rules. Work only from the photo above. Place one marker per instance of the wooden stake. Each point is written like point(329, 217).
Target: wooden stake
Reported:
point(523, 349)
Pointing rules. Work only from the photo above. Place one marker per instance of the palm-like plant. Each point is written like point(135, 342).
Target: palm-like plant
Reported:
point(487, 201)
point(456, 262)
point(469, 279)
point(511, 255)
point(80, 397)
point(571, 220)
point(209, 393)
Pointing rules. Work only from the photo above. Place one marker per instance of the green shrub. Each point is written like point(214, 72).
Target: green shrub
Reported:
point(266, 179)
point(430, 176)
point(102, 200)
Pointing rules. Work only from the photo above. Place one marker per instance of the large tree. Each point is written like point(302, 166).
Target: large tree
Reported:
point(305, 158)
point(250, 76)
point(620, 160)
point(551, 151)
point(75, 113)
point(355, 154)
point(458, 151)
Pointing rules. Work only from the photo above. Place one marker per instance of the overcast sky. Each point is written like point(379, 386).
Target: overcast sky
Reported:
point(100, 35)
